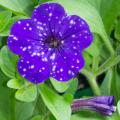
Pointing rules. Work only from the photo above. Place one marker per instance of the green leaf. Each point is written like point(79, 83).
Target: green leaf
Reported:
point(2, 116)
point(6, 99)
point(23, 110)
point(115, 116)
point(78, 117)
point(10, 109)
point(109, 12)
point(59, 107)
point(87, 115)
point(15, 83)
point(95, 3)
point(106, 84)
point(118, 107)
point(8, 62)
point(37, 117)
point(7, 28)
point(115, 85)
point(18, 6)
point(73, 86)
point(2, 9)
point(88, 59)
point(110, 62)
point(4, 18)
point(117, 30)
point(111, 84)
point(103, 52)
point(18, 82)
point(68, 97)
point(60, 86)
point(27, 94)
point(93, 50)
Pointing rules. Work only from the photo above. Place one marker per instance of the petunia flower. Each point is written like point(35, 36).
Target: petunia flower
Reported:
point(101, 104)
point(50, 44)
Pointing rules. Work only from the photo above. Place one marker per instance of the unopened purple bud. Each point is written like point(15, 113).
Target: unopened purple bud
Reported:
point(102, 104)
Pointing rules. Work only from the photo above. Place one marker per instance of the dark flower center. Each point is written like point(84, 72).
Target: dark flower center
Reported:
point(52, 42)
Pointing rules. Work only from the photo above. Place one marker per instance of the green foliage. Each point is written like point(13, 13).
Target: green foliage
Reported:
point(93, 50)
point(85, 115)
point(7, 27)
point(24, 111)
point(118, 107)
point(37, 117)
point(57, 104)
point(4, 18)
point(117, 29)
point(60, 86)
point(73, 86)
point(10, 109)
point(64, 86)
point(27, 94)
point(88, 59)
point(95, 3)
point(111, 84)
point(15, 83)
point(23, 7)
point(8, 62)
point(109, 12)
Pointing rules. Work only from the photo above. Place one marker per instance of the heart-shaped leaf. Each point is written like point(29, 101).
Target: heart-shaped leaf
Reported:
point(27, 94)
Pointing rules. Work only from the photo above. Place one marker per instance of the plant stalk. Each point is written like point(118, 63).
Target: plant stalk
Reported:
point(92, 82)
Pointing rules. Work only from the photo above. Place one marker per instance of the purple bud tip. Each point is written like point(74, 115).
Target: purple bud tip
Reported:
point(102, 104)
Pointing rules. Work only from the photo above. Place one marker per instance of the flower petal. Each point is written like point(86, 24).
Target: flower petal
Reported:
point(49, 14)
point(101, 104)
point(59, 68)
point(109, 100)
point(74, 31)
point(35, 70)
point(24, 36)
point(73, 58)
point(65, 66)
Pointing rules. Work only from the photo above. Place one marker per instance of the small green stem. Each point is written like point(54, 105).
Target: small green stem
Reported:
point(108, 44)
point(108, 64)
point(95, 63)
point(92, 82)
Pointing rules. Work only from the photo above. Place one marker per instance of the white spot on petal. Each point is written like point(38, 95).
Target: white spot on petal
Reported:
point(19, 22)
point(78, 61)
point(27, 24)
point(29, 47)
point(73, 36)
point(54, 67)
point(32, 66)
point(52, 57)
point(61, 70)
point(50, 14)
point(30, 28)
point(24, 69)
point(71, 21)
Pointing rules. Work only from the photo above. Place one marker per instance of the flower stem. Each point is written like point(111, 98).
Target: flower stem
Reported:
point(108, 64)
point(92, 82)
point(108, 44)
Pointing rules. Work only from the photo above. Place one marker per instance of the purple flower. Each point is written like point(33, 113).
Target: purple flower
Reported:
point(50, 44)
point(102, 104)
